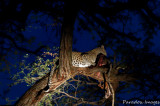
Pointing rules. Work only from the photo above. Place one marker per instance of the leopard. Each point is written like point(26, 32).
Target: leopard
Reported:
point(81, 59)
point(87, 59)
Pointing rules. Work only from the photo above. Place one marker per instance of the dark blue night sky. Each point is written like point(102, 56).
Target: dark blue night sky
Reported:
point(42, 26)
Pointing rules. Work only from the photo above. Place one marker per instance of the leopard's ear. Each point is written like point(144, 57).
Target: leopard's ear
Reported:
point(102, 46)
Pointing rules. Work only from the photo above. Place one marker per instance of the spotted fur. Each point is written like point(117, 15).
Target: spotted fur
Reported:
point(87, 59)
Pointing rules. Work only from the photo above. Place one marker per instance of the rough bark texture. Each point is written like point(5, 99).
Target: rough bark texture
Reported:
point(29, 98)
point(36, 92)
point(66, 71)
point(66, 38)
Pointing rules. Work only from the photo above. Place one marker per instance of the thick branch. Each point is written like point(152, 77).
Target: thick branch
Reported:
point(36, 92)
point(91, 72)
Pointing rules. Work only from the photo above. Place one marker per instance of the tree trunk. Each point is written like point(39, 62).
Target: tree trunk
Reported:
point(65, 71)
point(70, 12)
point(36, 92)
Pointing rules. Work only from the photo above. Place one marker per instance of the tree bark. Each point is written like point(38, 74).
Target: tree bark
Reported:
point(36, 92)
point(65, 60)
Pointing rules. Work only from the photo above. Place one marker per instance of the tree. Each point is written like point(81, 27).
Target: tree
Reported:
point(92, 17)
